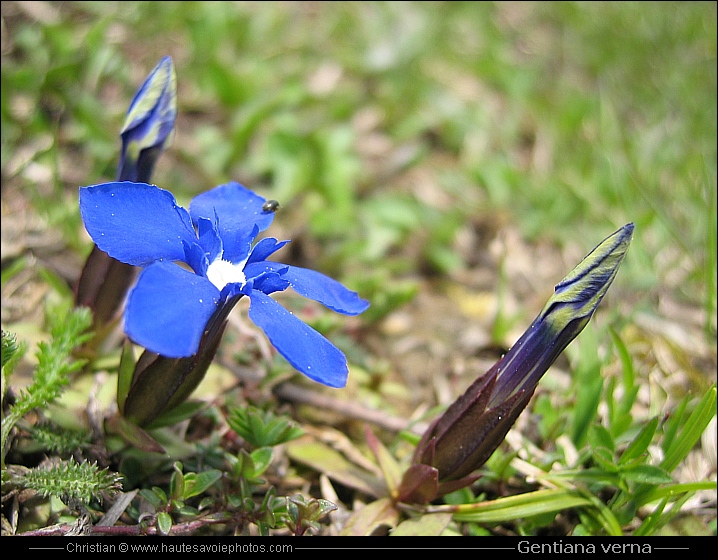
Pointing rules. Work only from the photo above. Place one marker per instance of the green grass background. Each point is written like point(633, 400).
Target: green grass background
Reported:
point(573, 118)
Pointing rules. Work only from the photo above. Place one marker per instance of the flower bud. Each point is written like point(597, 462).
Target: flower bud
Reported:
point(466, 435)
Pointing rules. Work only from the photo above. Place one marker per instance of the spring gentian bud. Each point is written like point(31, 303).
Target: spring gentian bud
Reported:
point(150, 122)
point(466, 435)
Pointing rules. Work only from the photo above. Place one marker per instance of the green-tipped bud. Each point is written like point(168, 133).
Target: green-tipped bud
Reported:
point(149, 126)
point(565, 315)
point(471, 429)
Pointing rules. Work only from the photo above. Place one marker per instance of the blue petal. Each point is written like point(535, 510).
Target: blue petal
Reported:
point(209, 239)
point(238, 210)
point(196, 257)
point(168, 310)
point(264, 248)
point(136, 223)
point(265, 280)
point(303, 347)
point(315, 285)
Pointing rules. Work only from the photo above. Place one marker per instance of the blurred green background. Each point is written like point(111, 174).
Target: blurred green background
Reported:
point(401, 138)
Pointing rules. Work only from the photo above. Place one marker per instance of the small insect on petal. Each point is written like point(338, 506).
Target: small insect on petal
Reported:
point(270, 206)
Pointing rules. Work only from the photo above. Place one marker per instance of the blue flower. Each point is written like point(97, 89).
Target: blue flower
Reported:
point(169, 308)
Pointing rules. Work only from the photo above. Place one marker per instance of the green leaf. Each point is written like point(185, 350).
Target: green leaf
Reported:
point(622, 417)
point(389, 466)
point(124, 374)
point(179, 413)
point(629, 374)
point(647, 474)
point(652, 520)
point(673, 423)
point(370, 518)
point(164, 523)
point(245, 465)
point(427, 525)
point(592, 475)
point(177, 486)
point(73, 482)
point(157, 499)
point(196, 483)
point(691, 431)
point(672, 490)
point(9, 347)
point(640, 443)
point(589, 395)
point(54, 366)
point(132, 434)
point(523, 505)
point(262, 428)
point(261, 458)
point(605, 459)
point(599, 436)
point(326, 460)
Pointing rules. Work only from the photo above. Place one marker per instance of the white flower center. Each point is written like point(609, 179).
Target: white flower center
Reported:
point(222, 272)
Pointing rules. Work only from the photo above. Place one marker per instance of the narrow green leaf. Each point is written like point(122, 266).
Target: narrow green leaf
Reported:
point(629, 374)
point(672, 424)
point(673, 490)
point(132, 434)
point(650, 523)
point(622, 418)
point(179, 413)
point(326, 460)
point(692, 431)
point(587, 401)
point(593, 475)
point(605, 459)
point(601, 514)
point(125, 372)
point(646, 474)
point(640, 443)
point(257, 427)
point(373, 516)
point(427, 525)
point(523, 505)
point(389, 466)
point(14, 267)
point(599, 436)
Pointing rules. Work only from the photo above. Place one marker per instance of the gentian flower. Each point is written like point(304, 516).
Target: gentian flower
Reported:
point(466, 435)
point(169, 308)
point(147, 132)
